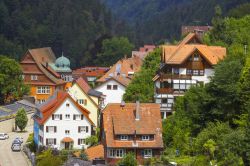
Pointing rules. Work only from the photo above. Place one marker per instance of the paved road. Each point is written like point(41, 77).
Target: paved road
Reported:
point(9, 158)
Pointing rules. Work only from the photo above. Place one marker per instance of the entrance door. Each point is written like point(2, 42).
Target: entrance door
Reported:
point(66, 145)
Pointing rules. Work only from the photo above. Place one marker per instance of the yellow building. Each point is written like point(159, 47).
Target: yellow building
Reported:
point(87, 98)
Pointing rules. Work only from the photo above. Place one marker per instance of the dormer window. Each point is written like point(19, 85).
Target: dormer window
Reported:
point(123, 137)
point(145, 138)
point(34, 77)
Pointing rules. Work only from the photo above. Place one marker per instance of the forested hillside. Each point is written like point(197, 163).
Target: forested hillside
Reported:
point(162, 19)
point(69, 26)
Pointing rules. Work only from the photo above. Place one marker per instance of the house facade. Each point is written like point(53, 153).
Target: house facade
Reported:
point(131, 127)
point(62, 123)
point(38, 74)
point(190, 63)
point(113, 89)
point(88, 98)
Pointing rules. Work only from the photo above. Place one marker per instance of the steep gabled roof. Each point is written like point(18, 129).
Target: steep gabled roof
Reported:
point(42, 57)
point(119, 120)
point(51, 105)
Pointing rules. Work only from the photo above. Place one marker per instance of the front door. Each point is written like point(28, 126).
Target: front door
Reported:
point(66, 145)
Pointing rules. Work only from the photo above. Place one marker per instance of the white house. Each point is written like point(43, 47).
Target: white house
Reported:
point(113, 89)
point(62, 123)
point(187, 64)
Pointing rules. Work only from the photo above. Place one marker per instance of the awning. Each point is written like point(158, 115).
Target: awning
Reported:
point(67, 139)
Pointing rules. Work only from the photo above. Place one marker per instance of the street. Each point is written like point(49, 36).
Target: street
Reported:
point(9, 158)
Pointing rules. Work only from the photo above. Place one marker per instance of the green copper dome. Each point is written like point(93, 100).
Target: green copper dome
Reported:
point(62, 62)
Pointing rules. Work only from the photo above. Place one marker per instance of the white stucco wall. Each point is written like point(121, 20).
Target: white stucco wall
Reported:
point(65, 124)
point(206, 78)
point(112, 96)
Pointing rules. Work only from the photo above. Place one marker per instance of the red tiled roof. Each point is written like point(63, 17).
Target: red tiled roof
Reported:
point(95, 152)
point(125, 66)
point(121, 120)
point(50, 106)
point(83, 85)
point(91, 71)
point(67, 139)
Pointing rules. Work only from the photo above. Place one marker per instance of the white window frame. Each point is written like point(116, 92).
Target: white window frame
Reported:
point(78, 116)
point(83, 129)
point(57, 116)
point(196, 57)
point(124, 137)
point(145, 137)
point(50, 141)
point(43, 90)
point(51, 129)
point(196, 72)
point(82, 141)
point(147, 153)
point(116, 153)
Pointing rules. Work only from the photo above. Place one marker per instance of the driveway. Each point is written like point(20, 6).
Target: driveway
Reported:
point(9, 158)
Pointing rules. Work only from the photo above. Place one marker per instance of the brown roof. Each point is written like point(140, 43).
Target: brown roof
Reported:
point(95, 152)
point(121, 120)
point(123, 66)
point(91, 71)
point(177, 54)
point(67, 139)
point(83, 85)
point(55, 101)
point(43, 56)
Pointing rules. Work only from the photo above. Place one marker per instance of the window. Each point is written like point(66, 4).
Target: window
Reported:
point(67, 116)
point(83, 129)
point(116, 153)
point(195, 72)
point(196, 57)
point(176, 70)
point(124, 137)
point(147, 153)
point(115, 87)
point(80, 101)
point(56, 117)
point(51, 129)
point(43, 90)
point(67, 132)
point(81, 141)
point(145, 137)
point(67, 105)
point(40, 101)
point(33, 77)
point(78, 117)
point(201, 72)
point(50, 141)
point(164, 100)
point(189, 71)
point(108, 87)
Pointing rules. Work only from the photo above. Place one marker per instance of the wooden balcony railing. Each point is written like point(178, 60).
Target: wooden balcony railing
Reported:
point(164, 91)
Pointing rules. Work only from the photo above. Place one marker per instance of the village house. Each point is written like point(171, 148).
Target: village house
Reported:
point(38, 72)
point(91, 73)
point(198, 30)
point(131, 127)
point(143, 51)
point(62, 123)
point(125, 67)
point(88, 98)
point(113, 89)
point(187, 64)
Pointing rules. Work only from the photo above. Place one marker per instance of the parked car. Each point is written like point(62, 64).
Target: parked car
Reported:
point(16, 147)
point(6, 135)
point(20, 139)
point(2, 136)
point(17, 141)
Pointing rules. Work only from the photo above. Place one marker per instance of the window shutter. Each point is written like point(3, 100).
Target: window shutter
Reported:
point(53, 117)
point(55, 129)
point(60, 116)
point(78, 141)
point(47, 129)
point(87, 129)
point(78, 129)
point(82, 116)
point(47, 141)
point(74, 117)
point(54, 141)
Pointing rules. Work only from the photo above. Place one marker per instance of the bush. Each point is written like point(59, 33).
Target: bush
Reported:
point(128, 160)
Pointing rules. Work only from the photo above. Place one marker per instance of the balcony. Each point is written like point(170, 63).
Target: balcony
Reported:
point(175, 76)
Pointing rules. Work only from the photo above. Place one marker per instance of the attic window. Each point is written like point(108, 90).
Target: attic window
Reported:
point(67, 105)
point(196, 57)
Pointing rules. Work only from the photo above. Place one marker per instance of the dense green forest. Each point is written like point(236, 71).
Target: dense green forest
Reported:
point(73, 27)
point(154, 21)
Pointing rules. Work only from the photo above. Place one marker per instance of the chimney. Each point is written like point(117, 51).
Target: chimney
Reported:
point(137, 114)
